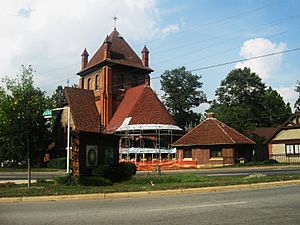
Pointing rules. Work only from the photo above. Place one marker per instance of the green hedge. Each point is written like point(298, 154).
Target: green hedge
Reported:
point(117, 173)
point(58, 163)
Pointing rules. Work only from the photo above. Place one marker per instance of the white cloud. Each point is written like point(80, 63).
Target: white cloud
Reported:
point(264, 67)
point(51, 34)
point(288, 94)
point(170, 29)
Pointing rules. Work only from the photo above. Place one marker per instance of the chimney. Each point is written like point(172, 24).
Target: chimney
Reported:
point(84, 59)
point(145, 56)
point(210, 115)
point(107, 48)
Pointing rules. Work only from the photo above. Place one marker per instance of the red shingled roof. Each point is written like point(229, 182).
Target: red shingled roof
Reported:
point(121, 53)
point(143, 106)
point(83, 109)
point(264, 132)
point(212, 132)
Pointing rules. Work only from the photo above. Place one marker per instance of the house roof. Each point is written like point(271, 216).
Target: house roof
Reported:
point(264, 132)
point(121, 53)
point(212, 132)
point(83, 109)
point(140, 106)
point(291, 123)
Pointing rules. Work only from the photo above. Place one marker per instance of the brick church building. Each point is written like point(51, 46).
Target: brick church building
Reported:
point(115, 107)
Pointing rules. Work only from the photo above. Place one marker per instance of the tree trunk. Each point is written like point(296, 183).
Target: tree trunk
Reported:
point(28, 163)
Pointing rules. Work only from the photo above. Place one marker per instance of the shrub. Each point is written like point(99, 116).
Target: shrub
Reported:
point(58, 163)
point(94, 181)
point(101, 171)
point(117, 173)
point(64, 180)
point(128, 169)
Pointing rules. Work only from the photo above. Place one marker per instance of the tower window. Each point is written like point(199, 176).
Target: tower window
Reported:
point(89, 84)
point(97, 82)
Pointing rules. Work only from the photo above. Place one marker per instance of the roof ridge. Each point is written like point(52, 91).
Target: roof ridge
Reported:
point(236, 131)
point(215, 120)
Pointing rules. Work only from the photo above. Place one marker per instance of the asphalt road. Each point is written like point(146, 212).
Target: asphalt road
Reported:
point(248, 207)
point(11, 176)
point(235, 171)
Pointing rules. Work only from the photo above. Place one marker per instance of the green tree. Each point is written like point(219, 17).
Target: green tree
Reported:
point(181, 94)
point(297, 103)
point(275, 111)
point(244, 102)
point(57, 98)
point(23, 125)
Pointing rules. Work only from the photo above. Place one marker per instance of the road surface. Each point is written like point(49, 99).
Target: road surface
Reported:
point(11, 176)
point(274, 206)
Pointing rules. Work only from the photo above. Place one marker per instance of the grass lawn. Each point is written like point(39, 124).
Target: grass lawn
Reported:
point(140, 183)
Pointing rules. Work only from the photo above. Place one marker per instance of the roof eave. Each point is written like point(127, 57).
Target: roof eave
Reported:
point(103, 62)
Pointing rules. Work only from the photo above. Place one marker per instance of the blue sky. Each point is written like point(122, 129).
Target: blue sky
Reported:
point(188, 33)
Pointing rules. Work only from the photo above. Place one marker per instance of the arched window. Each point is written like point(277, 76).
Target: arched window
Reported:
point(97, 82)
point(89, 84)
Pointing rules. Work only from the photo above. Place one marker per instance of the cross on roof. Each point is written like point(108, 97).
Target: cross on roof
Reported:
point(115, 22)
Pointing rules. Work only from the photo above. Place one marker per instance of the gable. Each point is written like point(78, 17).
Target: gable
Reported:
point(287, 134)
point(141, 106)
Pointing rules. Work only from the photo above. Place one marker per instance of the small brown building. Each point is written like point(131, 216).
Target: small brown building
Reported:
point(213, 143)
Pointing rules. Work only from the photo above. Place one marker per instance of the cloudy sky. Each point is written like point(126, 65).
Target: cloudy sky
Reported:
point(50, 35)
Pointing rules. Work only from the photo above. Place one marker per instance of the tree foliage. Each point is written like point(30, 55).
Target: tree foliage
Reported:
point(57, 98)
point(244, 102)
point(23, 129)
point(181, 94)
point(297, 103)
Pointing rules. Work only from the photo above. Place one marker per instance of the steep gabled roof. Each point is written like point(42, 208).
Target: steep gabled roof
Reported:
point(83, 109)
point(264, 132)
point(293, 122)
point(121, 53)
point(212, 132)
point(140, 106)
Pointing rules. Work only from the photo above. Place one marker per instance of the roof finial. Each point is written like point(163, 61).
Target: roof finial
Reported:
point(115, 22)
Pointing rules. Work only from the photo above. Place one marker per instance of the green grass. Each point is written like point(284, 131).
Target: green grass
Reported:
point(138, 183)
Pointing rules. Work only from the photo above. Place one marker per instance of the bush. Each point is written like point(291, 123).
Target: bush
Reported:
point(94, 181)
point(117, 173)
point(67, 179)
point(58, 163)
point(101, 171)
point(128, 169)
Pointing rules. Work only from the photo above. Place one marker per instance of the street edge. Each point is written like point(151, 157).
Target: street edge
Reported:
point(146, 193)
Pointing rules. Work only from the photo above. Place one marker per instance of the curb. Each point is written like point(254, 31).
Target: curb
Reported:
point(146, 193)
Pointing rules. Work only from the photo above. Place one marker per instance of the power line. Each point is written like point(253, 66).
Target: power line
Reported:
point(243, 60)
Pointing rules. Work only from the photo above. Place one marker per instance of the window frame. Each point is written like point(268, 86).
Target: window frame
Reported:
point(187, 153)
point(97, 82)
point(290, 149)
point(218, 154)
point(89, 81)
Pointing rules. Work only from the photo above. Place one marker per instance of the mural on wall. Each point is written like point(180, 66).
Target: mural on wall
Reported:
point(91, 156)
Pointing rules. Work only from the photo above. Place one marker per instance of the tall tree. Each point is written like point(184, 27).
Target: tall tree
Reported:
point(182, 93)
point(297, 89)
point(275, 111)
point(22, 110)
point(244, 102)
point(57, 97)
